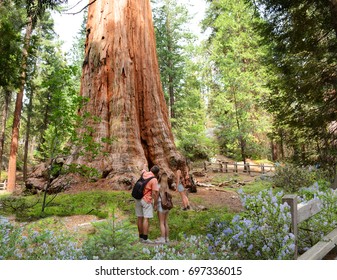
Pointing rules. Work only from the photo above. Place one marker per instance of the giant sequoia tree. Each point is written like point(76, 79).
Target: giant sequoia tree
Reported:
point(121, 81)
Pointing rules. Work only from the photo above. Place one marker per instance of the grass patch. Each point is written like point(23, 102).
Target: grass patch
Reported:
point(225, 177)
point(100, 203)
point(257, 186)
point(97, 203)
point(186, 223)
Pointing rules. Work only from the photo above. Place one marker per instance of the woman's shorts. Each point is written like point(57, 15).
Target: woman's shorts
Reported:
point(180, 188)
point(160, 208)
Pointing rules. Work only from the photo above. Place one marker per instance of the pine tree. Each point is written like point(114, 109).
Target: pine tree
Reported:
point(239, 78)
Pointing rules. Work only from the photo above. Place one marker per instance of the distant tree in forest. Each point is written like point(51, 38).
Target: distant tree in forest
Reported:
point(11, 21)
point(191, 118)
point(303, 58)
point(238, 80)
point(76, 54)
point(35, 9)
point(180, 69)
point(172, 35)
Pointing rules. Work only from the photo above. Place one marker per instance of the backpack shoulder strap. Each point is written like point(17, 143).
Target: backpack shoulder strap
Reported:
point(146, 181)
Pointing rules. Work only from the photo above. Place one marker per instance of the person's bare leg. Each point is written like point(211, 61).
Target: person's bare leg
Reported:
point(183, 199)
point(161, 217)
point(187, 203)
point(140, 226)
point(166, 226)
point(146, 226)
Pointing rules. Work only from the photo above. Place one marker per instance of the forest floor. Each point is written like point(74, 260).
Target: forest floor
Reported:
point(208, 195)
point(211, 193)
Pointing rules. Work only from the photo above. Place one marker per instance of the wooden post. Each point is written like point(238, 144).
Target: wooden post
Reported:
point(248, 168)
point(205, 165)
point(262, 168)
point(235, 167)
point(291, 200)
point(226, 166)
point(221, 167)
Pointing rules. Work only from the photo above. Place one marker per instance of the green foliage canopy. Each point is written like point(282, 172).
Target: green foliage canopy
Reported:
point(303, 59)
point(239, 79)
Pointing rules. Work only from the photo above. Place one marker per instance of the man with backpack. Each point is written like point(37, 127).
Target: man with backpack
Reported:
point(144, 206)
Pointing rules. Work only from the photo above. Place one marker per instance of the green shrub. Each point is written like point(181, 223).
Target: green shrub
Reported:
point(18, 244)
point(113, 240)
point(9, 238)
point(291, 177)
point(316, 227)
point(261, 232)
point(196, 146)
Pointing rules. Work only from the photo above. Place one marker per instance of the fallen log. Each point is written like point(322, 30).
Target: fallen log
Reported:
point(205, 185)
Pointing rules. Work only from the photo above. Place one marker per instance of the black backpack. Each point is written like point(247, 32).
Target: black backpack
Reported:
point(138, 188)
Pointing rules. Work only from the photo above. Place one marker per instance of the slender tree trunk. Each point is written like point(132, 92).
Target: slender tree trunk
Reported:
point(333, 9)
point(3, 125)
point(121, 79)
point(26, 150)
point(274, 150)
point(334, 183)
point(242, 141)
point(282, 144)
point(45, 123)
point(17, 112)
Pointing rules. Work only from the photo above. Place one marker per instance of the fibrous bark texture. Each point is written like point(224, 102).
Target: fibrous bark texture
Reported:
point(17, 112)
point(121, 80)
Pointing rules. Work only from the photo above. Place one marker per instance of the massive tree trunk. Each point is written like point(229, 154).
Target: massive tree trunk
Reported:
point(121, 80)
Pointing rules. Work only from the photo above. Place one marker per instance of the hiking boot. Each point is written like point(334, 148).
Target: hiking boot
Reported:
point(147, 241)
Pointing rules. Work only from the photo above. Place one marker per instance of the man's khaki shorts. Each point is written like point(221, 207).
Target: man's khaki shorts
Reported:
point(144, 209)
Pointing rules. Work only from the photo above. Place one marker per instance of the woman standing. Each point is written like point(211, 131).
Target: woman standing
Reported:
point(181, 187)
point(163, 214)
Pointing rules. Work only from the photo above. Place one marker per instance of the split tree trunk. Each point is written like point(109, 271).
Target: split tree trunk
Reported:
point(121, 79)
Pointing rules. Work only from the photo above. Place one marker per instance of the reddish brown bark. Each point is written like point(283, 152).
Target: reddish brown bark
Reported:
point(17, 113)
point(122, 82)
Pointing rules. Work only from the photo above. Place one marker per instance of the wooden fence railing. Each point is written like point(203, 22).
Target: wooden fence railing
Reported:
point(3, 185)
point(302, 212)
point(224, 166)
